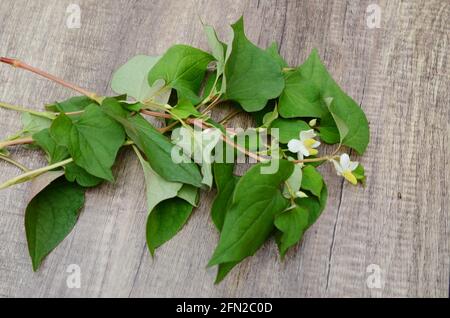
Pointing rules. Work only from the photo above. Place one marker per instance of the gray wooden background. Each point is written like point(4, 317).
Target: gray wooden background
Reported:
point(399, 73)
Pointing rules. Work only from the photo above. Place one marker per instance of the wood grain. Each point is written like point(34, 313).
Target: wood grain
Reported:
point(398, 73)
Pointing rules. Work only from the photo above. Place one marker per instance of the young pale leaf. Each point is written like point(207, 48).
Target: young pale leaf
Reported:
point(132, 77)
point(312, 180)
point(157, 188)
point(156, 147)
point(189, 194)
point(225, 182)
point(183, 68)
point(33, 124)
point(293, 183)
point(292, 224)
point(165, 221)
point(249, 221)
point(289, 128)
point(93, 140)
point(199, 146)
point(218, 49)
point(253, 76)
point(50, 216)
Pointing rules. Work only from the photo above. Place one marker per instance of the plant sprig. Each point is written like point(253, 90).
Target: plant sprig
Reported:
point(282, 195)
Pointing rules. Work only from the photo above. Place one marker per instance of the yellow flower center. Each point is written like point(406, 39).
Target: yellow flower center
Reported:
point(348, 175)
point(308, 143)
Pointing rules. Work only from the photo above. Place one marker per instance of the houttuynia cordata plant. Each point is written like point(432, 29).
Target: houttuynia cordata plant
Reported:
point(281, 195)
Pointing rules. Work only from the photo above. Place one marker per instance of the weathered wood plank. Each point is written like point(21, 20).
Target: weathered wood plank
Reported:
point(398, 73)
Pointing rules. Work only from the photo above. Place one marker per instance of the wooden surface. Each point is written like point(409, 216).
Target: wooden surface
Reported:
point(399, 74)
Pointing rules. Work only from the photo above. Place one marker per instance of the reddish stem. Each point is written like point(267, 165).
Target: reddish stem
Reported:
point(20, 64)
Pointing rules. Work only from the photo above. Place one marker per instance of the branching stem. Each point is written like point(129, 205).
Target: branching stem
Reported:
point(34, 173)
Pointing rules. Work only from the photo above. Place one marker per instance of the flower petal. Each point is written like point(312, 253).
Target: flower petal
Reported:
point(350, 177)
point(294, 145)
point(316, 144)
point(307, 134)
point(338, 167)
point(304, 150)
point(353, 165)
point(345, 161)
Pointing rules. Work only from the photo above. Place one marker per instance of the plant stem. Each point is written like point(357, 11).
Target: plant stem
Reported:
point(20, 141)
point(33, 173)
point(316, 159)
point(48, 115)
point(155, 114)
point(17, 164)
point(228, 117)
point(20, 64)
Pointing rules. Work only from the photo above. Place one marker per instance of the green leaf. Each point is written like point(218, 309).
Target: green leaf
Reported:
point(132, 77)
point(74, 104)
point(157, 188)
point(60, 130)
point(225, 182)
point(223, 270)
point(189, 194)
point(253, 77)
point(183, 68)
point(314, 205)
point(165, 221)
point(249, 221)
point(312, 180)
point(359, 173)
point(54, 152)
point(292, 224)
point(289, 128)
point(93, 140)
point(311, 92)
point(77, 174)
point(156, 147)
point(50, 216)
point(185, 109)
point(351, 122)
point(269, 118)
point(273, 52)
point(328, 131)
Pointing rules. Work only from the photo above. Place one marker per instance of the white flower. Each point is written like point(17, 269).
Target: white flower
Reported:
point(345, 167)
point(305, 145)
